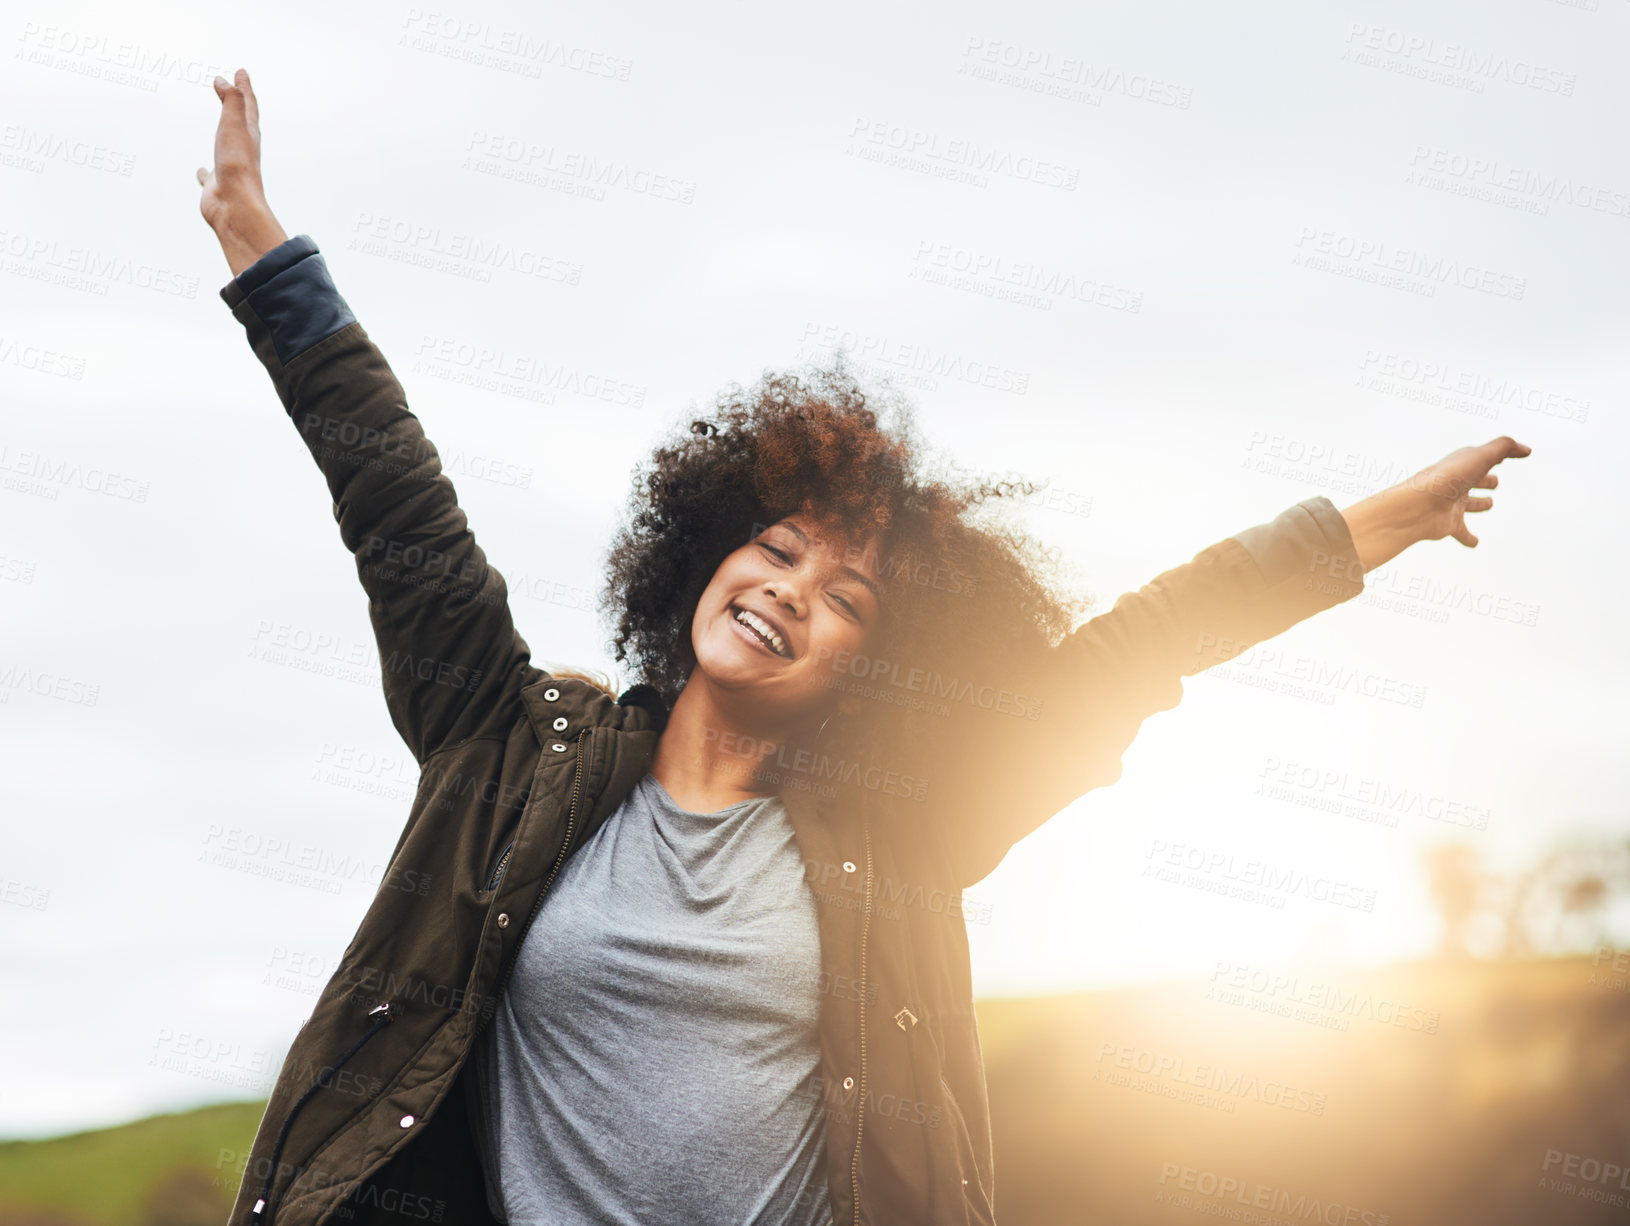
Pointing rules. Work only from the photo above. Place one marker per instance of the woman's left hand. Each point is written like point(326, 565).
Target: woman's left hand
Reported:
point(1443, 492)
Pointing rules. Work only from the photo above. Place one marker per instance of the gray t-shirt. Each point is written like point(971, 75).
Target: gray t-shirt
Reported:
point(655, 1056)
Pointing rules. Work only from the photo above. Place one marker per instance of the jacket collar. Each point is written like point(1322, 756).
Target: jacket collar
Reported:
point(623, 741)
point(646, 697)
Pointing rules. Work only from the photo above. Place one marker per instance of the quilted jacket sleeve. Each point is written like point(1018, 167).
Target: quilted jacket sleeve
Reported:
point(450, 655)
point(1120, 667)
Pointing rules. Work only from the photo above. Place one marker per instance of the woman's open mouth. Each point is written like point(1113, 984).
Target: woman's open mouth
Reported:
point(759, 632)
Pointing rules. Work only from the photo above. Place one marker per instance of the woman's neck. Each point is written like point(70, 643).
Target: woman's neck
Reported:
point(709, 757)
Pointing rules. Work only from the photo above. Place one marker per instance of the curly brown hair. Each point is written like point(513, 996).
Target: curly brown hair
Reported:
point(969, 602)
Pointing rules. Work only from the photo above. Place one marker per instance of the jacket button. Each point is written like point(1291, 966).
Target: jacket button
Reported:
point(551, 693)
point(407, 1121)
point(848, 1083)
point(558, 747)
point(560, 724)
point(848, 866)
point(503, 919)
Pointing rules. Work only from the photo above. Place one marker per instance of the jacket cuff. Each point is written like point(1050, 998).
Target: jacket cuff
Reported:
point(290, 289)
point(1307, 556)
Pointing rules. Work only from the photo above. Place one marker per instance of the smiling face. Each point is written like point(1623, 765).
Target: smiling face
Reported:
point(780, 617)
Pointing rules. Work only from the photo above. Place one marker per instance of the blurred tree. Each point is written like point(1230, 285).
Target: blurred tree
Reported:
point(1585, 897)
point(1456, 883)
point(1564, 903)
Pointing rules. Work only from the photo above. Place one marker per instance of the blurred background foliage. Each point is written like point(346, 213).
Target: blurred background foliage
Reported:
point(1487, 1084)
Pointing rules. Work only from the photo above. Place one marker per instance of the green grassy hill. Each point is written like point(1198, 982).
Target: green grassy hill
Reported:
point(1431, 1093)
point(162, 1169)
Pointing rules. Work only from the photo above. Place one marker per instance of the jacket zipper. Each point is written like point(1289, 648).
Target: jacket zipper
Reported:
point(498, 869)
point(381, 1013)
point(565, 846)
point(860, 1096)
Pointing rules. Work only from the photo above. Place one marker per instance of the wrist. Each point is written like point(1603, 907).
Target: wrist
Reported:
point(246, 234)
point(1384, 524)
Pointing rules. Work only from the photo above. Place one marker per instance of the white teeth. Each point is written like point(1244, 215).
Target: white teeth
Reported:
point(765, 631)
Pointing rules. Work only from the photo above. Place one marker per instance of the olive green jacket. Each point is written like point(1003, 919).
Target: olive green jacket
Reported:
point(367, 1119)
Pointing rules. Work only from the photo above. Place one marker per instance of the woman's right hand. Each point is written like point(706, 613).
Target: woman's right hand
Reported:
point(234, 200)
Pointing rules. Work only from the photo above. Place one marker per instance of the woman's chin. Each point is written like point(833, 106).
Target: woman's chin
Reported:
point(732, 665)
point(729, 654)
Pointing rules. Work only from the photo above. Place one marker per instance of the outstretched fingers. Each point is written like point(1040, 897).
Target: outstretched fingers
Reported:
point(250, 103)
point(233, 100)
point(1502, 448)
point(239, 109)
point(237, 136)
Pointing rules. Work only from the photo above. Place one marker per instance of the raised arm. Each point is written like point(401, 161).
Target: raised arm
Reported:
point(1121, 667)
point(451, 658)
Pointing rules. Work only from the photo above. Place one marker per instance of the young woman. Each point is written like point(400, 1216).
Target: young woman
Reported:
point(695, 952)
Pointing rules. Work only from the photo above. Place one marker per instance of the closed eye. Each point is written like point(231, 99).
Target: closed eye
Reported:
point(786, 560)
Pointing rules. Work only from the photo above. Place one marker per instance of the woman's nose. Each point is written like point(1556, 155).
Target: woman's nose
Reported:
point(785, 595)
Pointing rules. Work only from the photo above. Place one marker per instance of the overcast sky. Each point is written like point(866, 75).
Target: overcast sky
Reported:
point(1190, 263)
